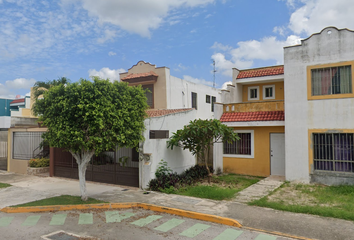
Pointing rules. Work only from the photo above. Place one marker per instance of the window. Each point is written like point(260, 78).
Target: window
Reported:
point(333, 152)
point(253, 93)
point(269, 92)
point(331, 80)
point(244, 147)
point(194, 100)
point(159, 134)
point(207, 99)
point(213, 100)
point(26, 145)
point(149, 93)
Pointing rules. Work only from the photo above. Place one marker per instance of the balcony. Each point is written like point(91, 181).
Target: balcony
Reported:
point(277, 105)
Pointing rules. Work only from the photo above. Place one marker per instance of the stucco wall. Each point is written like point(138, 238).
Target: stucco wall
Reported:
point(160, 98)
point(178, 159)
point(279, 91)
point(302, 114)
point(260, 164)
point(181, 96)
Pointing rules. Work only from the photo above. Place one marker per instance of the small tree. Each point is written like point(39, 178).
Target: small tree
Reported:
point(199, 135)
point(87, 118)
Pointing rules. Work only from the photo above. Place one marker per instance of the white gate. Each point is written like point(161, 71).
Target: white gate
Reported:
point(3, 149)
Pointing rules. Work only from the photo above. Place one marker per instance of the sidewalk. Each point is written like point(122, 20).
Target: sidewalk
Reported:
point(249, 216)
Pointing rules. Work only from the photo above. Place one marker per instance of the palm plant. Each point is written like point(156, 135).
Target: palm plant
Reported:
point(39, 88)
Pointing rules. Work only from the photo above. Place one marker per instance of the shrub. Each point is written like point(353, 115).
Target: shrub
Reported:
point(39, 162)
point(173, 180)
point(163, 169)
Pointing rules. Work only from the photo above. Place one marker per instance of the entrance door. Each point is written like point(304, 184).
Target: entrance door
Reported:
point(277, 154)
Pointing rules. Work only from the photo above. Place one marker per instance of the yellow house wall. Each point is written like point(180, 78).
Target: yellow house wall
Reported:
point(18, 165)
point(279, 91)
point(275, 105)
point(260, 164)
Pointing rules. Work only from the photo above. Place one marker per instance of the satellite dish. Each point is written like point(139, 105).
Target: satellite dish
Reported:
point(18, 96)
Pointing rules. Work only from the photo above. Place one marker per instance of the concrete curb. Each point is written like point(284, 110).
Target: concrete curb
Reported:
point(174, 211)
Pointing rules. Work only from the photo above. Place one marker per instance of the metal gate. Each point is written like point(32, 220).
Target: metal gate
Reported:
point(115, 167)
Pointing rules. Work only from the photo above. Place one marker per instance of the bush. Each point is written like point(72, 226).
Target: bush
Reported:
point(174, 180)
point(39, 162)
point(163, 169)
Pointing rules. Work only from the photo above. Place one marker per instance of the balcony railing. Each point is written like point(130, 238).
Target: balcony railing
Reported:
point(277, 105)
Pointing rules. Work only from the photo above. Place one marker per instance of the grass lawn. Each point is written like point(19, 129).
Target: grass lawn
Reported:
point(222, 187)
point(60, 200)
point(327, 201)
point(4, 185)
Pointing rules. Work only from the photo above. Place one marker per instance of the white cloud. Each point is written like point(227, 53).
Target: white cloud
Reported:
point(268, 48)
point(315, 15)
point(111, 74)
point(197, 80)
point(20, 83)
point(180, 68)
point(112, 53)
point(139, 16)
point(224, 85)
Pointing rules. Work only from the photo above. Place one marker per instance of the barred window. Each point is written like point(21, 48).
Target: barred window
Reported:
point(241, 146)
point(194, 100)
point(333, 152)
point(149, 93)
point(332, 80)
point(26, 144)
point(213, 100)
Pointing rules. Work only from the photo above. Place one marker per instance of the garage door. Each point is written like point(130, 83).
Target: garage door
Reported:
point(116, 167)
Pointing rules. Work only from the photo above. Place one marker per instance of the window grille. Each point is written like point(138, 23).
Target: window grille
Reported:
point(333, 80)
point(333, 152)
point(213, 100)
point(26, 144)
point(241, 146)
point(194, 100)
point(159, 134)
point(149, 93)
point(207, 100)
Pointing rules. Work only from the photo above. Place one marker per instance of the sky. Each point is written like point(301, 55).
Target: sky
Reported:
point(42, 40)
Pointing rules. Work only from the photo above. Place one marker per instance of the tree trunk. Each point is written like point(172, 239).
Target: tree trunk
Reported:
point(206, 163)
point(82, 160)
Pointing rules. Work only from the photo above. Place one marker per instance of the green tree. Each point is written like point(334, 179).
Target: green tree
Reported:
point(88, 118)
point(199, 136)
point(40, 87)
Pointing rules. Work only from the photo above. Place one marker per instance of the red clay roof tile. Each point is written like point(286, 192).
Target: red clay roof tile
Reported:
point(18, 101)
point(252, 116)
point(138, 75)
point(261, 72)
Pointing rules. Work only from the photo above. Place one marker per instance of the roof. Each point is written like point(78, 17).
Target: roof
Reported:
point(261, 72)
point(139, 75)
point(163, 112)
point(18, 101)
point(252, 116)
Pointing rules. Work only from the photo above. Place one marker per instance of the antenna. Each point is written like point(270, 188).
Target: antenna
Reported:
point(214, 71)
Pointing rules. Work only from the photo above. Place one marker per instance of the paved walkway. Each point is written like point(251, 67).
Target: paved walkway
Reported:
point(260, 189)
point(154, 226)
point(27, 188)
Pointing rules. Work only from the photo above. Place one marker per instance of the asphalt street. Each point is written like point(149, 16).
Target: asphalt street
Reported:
point(125, 224)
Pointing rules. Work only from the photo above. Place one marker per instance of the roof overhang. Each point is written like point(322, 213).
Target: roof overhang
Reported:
point(265, 79)
point(141, 80)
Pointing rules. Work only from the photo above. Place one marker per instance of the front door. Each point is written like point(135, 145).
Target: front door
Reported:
point(277, 154)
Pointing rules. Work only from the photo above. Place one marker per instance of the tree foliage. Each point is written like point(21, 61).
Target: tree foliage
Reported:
point(88, 118)
point(40, 87)
point(200, 135)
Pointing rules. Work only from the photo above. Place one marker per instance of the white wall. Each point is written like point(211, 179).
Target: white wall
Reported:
point(302, 114)
point(178, 159)
point(5, 122)
point(180, 92)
